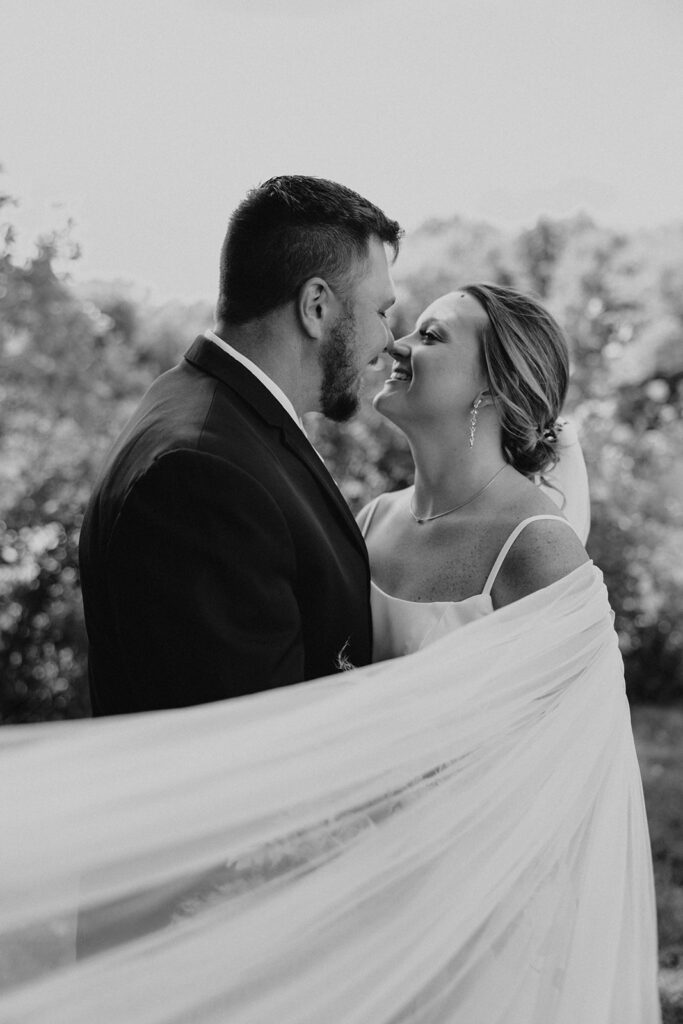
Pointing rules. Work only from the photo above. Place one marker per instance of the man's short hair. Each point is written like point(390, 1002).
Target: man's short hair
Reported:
point(288, 230)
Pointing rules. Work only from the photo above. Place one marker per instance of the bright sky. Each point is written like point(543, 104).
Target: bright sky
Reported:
point(147, 121)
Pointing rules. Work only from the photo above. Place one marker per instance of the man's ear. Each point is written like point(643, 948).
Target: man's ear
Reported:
point(314, 307)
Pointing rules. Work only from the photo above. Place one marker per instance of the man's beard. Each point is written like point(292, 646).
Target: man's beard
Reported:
point(340, 387)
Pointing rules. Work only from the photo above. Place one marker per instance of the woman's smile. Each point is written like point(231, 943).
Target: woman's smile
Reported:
point(399, 372)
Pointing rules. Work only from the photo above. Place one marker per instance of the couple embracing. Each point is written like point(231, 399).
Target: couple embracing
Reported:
point(218, 557)
point(460, 828)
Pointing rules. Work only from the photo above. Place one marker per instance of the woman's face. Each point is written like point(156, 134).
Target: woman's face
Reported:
point(437, 372)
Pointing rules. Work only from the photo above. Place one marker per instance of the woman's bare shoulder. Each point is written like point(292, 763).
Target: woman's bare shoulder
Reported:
point(545, 551)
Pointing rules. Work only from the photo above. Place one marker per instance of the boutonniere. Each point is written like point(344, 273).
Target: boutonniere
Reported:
point(341, 661)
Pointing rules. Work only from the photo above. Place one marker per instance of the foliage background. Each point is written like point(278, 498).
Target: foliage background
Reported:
point(74, 361)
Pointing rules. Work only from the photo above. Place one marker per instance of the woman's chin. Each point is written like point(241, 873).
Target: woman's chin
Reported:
point(388, 400)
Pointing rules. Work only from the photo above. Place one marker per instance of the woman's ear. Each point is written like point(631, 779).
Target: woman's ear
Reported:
point(314, 307)
point(486, 398)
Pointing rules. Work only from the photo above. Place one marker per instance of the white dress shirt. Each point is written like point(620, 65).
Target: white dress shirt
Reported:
point(267, 382)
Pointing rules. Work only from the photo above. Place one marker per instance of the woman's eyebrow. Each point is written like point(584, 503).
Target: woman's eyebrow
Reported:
point(431, 321)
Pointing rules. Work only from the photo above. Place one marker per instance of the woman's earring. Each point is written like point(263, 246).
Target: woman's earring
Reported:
point(473, 419)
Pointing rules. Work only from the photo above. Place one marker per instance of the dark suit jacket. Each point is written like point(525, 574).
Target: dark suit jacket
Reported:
point(218, 557)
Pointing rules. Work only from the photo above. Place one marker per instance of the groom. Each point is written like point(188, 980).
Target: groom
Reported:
point(218, 557)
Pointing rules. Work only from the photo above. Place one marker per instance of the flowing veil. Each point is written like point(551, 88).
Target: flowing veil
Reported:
point(455, 836)
point(567, 483)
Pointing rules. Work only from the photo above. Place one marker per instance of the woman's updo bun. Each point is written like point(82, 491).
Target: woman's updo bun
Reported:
point(525, 356)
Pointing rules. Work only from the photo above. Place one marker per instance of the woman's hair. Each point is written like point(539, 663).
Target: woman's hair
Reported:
point(526, 360)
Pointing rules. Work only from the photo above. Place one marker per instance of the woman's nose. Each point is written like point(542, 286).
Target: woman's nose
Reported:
point(399, 349)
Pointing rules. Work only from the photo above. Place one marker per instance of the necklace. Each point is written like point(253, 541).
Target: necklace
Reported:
point(428, 519)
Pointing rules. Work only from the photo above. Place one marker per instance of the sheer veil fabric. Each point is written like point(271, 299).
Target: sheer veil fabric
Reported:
point(567, 483)
point(453, 837)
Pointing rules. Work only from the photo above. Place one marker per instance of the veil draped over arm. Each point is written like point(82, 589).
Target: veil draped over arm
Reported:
point(458, 835)
point(567, 482)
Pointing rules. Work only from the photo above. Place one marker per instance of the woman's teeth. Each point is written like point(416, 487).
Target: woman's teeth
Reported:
point(399, 373)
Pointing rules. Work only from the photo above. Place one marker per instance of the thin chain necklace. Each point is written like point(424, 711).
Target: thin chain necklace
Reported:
point(428, 519)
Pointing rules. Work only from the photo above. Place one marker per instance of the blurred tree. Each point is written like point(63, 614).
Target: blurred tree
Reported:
point(611, 293)
point(539, 250)
point(74, 361)
point(47, 412)
point(71, 371)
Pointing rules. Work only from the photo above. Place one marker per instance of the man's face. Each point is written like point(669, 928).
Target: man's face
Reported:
point(358, 336)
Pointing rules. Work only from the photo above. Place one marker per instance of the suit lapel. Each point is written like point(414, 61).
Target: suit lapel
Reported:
point(205, 355)
point(298, 443)
point(208, 357)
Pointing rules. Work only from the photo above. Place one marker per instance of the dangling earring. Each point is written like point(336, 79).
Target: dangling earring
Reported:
point(473, 419)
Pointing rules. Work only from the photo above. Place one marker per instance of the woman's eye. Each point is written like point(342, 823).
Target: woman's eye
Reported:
point(428, 336)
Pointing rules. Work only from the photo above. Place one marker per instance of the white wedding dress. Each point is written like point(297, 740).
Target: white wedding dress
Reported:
point(457, 836)
point(402, 627)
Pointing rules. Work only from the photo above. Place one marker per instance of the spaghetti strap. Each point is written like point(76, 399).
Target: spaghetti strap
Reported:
point(508, 544)
point(371, 509)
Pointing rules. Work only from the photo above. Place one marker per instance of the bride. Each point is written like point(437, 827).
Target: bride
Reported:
point(453, 835)
point(477, 388)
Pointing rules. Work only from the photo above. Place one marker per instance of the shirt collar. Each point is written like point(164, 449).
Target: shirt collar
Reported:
point(267, 381)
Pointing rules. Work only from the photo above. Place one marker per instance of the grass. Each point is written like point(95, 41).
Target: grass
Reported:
point(659, 740)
